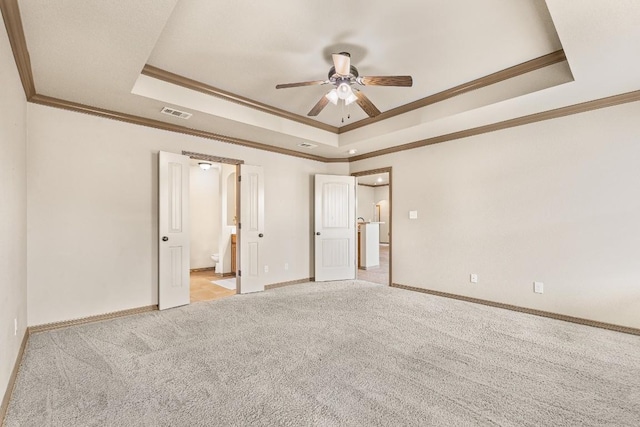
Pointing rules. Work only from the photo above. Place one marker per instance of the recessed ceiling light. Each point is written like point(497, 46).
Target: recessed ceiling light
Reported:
point(353, 151)
point(379, 179)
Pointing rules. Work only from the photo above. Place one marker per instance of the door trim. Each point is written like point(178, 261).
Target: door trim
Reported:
point(374, 172)
point(229, 161)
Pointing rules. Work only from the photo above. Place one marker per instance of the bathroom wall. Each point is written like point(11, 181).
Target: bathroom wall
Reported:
point(366, 203)
point(13, 211)
point(205, 212)
point(98, 218)
point(381, 197)
point(555, 201)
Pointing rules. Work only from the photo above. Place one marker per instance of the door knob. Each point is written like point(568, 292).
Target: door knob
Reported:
point(165, 238)
point(260, 235)
point(317, 233)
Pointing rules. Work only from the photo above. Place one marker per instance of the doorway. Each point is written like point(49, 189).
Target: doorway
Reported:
point(213, 217)
point(174, 219)
point(374, 236)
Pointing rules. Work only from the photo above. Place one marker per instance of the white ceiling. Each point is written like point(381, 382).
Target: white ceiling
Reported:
point(92, 53)
point(374, 179)
point(266, 43)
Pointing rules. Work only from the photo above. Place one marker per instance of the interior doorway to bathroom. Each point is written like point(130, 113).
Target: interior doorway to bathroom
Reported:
point(213, 217)
point(374, 237)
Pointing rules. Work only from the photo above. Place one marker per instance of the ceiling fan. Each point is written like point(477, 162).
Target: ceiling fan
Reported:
point(343, 76)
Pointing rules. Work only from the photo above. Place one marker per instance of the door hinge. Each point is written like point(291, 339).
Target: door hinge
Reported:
point(239, 178)
point(239, 273)
point(239, 226)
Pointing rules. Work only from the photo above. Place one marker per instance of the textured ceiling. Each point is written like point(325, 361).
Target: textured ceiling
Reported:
point(93, 52)
point(247, 47)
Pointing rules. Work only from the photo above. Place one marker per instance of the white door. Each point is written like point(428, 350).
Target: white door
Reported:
point(335, 227)
point(251, 229)
point(173, 219)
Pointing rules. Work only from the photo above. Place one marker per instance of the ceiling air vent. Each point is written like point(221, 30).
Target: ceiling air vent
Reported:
point(176, 113)
point(306, 145)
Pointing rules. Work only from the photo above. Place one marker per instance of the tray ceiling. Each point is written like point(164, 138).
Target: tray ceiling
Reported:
point(92, 53)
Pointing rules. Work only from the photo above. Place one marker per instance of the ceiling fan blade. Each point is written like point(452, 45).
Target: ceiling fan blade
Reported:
point(342, 63)
point(366, 104)
point(319, 106)
point(313, 83)
point(405, 81)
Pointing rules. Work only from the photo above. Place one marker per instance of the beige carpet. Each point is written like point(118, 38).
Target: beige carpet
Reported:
point(329, 354)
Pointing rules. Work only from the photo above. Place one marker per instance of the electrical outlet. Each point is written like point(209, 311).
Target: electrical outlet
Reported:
point(286, 265)
point(538, 287)
point(266, 268)
point(473, 278)
point(15, 327)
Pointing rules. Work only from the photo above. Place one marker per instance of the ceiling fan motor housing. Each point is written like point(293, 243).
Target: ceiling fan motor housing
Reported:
point(332, 72)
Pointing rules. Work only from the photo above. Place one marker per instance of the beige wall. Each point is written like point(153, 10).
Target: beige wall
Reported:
point(556, 201)
point(92, 239)
point(381, 197)
point(366, 204)
point(13, 211)
point(205, 209)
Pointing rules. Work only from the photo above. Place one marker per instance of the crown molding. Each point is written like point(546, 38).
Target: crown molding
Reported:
point(13, 23)
point(11, 15)
point(597, 104)
point(157, 124)
point(507, 73)
point(583, 107)
point(169, 77)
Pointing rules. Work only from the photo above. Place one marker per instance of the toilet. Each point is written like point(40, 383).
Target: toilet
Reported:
point(216, 260)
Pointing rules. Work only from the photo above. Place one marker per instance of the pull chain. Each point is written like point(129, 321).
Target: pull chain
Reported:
point(348, 111)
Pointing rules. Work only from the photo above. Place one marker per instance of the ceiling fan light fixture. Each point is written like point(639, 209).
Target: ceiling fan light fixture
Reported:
point(344, 90)
point(351, 99)
point(332, 96)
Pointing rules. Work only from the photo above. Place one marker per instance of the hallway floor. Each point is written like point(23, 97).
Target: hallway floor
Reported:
point(379, 274)
point(203, 290)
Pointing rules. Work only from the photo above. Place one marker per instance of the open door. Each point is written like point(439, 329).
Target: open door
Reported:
point(251, 229)
point(173, 220)
point(335, 227)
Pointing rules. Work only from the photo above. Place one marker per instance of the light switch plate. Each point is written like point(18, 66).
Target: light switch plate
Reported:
point(473, 278)
point(538, 287)
point(413, 214)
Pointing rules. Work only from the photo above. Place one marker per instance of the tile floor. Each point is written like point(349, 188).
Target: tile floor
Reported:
point(379, 274)
point(203, 290)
